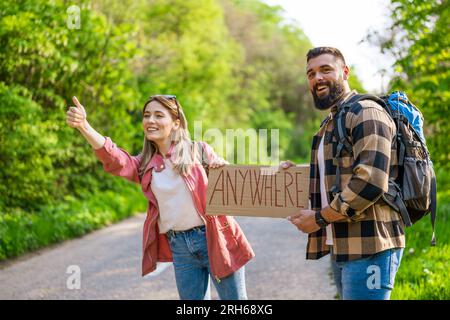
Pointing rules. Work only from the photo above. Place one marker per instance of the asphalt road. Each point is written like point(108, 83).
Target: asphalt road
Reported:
point(109, 263)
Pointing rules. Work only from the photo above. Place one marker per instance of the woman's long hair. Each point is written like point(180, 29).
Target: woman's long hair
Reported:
point(185, 153)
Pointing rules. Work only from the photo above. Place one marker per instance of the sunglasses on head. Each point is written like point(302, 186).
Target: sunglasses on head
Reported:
point(169, 97)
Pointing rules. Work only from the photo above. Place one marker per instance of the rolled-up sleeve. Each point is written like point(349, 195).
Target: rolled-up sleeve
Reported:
point(372, 131)
point(118, 162)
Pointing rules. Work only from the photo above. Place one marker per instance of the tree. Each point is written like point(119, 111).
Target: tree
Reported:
point(418, 39)
point(42, 64)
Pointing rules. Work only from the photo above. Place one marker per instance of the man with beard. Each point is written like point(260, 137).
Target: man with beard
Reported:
point(348, 216)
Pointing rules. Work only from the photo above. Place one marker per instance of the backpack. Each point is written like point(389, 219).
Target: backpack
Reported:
point(413, 192)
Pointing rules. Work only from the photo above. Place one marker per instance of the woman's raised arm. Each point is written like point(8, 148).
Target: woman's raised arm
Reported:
point(115, 160)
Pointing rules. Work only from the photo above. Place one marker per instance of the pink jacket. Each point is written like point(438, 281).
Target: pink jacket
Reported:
point(228, 248)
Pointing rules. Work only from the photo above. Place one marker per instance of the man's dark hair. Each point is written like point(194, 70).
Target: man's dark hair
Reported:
point(315, 52)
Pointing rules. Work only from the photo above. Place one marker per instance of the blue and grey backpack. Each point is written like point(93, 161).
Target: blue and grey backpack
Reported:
point(413, 192)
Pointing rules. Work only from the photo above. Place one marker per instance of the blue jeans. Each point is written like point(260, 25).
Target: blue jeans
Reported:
point(192, 269)
point(368, 278)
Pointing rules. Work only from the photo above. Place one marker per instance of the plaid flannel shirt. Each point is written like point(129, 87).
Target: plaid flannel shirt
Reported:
point(371, 225)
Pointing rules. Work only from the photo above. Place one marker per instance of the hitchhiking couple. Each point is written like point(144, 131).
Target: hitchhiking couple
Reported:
point(345, 218)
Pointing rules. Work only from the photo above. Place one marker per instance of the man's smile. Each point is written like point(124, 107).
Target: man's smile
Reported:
point(322, 89)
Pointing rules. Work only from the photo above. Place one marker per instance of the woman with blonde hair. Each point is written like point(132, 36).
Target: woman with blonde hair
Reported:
point(171, 172)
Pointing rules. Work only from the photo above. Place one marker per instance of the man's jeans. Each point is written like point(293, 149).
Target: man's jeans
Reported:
point(368, 278)
point(192, 270)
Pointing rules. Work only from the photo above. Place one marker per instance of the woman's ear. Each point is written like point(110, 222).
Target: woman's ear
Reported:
point(175, 133)
point(176, 124)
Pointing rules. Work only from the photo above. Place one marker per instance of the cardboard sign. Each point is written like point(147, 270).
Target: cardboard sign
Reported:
point(257, 191)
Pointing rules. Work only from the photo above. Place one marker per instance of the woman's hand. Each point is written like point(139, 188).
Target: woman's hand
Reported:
point(286, 165)
point(218, 162)
point(76, 116)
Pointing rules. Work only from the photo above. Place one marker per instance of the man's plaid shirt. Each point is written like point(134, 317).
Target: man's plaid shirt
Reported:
point(371, 226)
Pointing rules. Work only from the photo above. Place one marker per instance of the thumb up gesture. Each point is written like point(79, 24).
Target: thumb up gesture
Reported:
point(76, 116)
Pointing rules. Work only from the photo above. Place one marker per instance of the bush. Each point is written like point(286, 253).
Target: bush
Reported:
point(26, 144)
point(22, 231)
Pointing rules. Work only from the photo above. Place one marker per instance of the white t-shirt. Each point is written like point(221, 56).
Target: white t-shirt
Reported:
point(176, 206)
point(323, 192)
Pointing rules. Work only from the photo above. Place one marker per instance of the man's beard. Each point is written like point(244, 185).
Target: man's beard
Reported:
point(335, 93)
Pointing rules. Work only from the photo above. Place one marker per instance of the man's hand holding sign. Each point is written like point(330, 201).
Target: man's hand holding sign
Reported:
point(306, 220)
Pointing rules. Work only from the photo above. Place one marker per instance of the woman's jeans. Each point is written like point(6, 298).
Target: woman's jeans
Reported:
point(368, 278)
point(192, 269)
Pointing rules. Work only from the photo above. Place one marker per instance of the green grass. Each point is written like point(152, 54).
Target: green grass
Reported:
point(424, 270)
point(21, 231)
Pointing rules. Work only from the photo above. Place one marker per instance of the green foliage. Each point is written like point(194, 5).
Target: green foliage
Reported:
point(418, 39)
point(272, 75)
point(26, 147)
point(42, 64)
point(22, 231)
point(187, 50)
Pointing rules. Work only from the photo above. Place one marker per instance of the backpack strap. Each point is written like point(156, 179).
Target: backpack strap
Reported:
point(343, 140)
point(433, 207)
point(393, 198)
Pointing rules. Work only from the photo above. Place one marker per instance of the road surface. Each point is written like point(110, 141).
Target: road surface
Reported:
point(109, 263)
